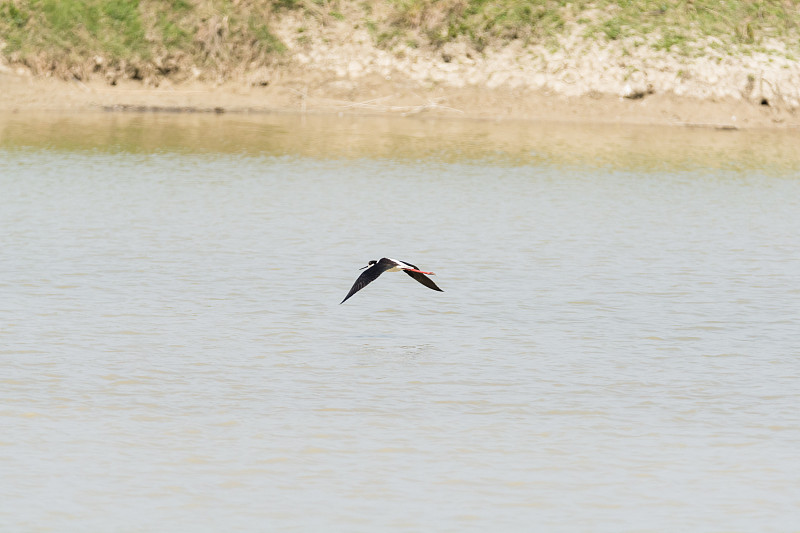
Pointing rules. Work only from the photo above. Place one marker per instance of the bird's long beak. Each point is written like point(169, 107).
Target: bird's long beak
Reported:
point(362, 268)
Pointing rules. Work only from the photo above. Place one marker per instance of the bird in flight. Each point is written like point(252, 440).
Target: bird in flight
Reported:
point(376, 268)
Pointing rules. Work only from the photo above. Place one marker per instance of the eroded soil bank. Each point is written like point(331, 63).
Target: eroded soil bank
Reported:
point(337, 66)
point(318, 93)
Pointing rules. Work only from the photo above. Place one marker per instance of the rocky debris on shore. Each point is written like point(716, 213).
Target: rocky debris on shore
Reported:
point(339, 62)
point(576, 67)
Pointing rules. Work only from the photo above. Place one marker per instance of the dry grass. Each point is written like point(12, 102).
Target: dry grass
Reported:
point(736, 25)
point(138, 39)
point(217, 39)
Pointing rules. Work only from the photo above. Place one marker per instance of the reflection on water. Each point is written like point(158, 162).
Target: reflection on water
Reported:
point(323, 136)
point(616, 348)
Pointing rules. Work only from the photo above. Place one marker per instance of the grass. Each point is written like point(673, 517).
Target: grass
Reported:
point(481, 22)
point(113, 26)
point(65, 37)
point(220, 36)
point(674, 25)
point(685, 23)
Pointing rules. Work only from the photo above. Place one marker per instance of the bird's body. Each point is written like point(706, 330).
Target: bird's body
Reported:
point(387, 264)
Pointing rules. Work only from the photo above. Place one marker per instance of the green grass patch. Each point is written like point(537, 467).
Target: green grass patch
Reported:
point(112, 27)
point(14, 16)
point(221, 34)
point(62, 27)
point(481, 21)
point(680, 23)
point(666, 24)
point(264, 38)
point(56, 35)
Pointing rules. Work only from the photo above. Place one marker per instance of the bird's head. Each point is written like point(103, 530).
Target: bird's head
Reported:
point(368, 265)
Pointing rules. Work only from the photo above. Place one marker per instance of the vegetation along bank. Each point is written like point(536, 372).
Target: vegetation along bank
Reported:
point(448, 52)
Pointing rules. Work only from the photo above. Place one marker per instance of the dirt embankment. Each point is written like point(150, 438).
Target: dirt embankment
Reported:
point(333, 64)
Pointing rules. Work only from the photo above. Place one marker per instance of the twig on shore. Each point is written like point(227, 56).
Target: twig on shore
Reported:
point(80, 84)
point(436, 105)
point(365, 103)
point(373, 105)
point(141, 108)
point(710, 125)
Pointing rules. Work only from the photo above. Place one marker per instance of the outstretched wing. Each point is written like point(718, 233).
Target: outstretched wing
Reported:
point(367, 277)
point(422, 278)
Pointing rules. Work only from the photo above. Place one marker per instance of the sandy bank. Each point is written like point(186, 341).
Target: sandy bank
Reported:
point(318, 93)
point(336, 69)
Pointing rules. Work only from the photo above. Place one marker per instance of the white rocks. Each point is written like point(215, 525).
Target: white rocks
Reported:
point(496, 79)
point(354, 69)
point(626, 67)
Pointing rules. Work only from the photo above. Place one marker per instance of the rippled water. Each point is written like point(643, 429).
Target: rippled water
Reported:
point(617, 347)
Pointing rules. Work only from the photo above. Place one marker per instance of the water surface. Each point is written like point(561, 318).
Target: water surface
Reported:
point(616, 348)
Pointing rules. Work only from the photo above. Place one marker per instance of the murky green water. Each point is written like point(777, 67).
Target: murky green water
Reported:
point(617, 347)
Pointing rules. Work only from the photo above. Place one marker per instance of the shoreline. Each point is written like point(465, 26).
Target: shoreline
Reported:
point(375, 96)
point(340, 65)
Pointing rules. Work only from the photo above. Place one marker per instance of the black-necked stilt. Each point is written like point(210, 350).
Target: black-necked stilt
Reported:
point(376, 268)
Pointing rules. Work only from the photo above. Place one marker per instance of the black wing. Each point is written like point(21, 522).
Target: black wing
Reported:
point(367, 277)
point(422, 278)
